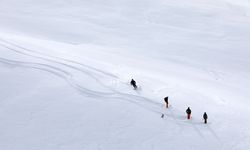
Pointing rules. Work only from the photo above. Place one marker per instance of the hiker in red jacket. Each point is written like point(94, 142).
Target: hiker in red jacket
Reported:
point(188, 111)
point(166, 101)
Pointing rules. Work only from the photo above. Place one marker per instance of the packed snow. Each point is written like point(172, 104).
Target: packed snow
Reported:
point(66, 66)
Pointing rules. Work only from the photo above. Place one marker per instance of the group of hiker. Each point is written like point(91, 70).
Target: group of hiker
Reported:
point(188, 111)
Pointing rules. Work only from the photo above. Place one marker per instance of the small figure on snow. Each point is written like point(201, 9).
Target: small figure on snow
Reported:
point(166, 101)
point(162, 115)
point(205, 117)
point(188, 111)
point(133, 83)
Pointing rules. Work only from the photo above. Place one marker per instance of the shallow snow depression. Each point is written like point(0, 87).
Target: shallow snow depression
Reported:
point(65, 68)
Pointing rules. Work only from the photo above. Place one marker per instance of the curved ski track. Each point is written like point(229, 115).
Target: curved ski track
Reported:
point(91, 72)
point(69, 77)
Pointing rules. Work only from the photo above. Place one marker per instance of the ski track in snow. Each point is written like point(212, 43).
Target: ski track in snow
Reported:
point(57, 58)
point(86, 72)
point(64, 74)
point(91, 72)
point(54, 70)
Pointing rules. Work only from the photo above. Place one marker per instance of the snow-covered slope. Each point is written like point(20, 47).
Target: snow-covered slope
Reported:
point(65, 68)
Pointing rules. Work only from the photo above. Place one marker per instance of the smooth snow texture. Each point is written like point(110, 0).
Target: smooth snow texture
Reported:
point(65, 68)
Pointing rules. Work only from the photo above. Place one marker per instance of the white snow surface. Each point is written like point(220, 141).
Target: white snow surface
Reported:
point(65, 68)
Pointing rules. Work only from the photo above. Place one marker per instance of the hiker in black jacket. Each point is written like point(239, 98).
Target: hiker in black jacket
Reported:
point(205, 117)
point(133, 83)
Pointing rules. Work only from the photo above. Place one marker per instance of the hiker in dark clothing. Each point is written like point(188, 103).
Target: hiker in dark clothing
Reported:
point(205, 117)
point(162, 115)
point(133, 83)
point(166, 101)
point(188, 111)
